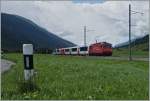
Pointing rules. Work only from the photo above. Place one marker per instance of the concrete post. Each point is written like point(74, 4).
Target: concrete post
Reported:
point(28, 61)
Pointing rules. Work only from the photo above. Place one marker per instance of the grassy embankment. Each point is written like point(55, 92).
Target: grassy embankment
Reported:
point(140, 50)
point(69, 77)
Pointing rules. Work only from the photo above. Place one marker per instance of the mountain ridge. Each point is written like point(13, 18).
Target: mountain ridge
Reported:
point(17, 30)
point(136, 42)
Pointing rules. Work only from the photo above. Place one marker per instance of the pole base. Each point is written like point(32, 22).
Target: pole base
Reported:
point(28, 74)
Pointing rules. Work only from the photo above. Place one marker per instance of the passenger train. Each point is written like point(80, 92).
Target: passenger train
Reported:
point(96, 49)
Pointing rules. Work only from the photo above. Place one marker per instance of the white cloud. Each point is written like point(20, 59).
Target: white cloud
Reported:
point(66, 19)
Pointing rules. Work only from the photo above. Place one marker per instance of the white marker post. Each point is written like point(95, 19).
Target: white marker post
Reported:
point(28, 61)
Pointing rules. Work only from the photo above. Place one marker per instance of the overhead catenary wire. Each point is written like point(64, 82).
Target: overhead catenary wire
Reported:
point(85, 32)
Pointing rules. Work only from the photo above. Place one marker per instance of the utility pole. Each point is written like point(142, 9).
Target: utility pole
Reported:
point(133, 12)
point(130, 57)
point(84, 35)
point(85, 31)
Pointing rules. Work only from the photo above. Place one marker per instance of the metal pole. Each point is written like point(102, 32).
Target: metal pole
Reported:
point(130, 57)
point(84, 35)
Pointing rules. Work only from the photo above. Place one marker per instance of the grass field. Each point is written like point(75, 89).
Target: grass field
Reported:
point(135, 53)
point(73, 77)
point(140, 50)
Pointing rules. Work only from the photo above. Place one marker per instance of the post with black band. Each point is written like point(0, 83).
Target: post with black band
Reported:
point(28, 61)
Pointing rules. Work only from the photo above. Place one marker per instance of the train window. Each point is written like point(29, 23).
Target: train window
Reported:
point(57, 50)
point(107, 46)
point(83, 48)
point(74, 49)
point(66, 50)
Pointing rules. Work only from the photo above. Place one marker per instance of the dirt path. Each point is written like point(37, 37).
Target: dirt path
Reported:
point(6, 65)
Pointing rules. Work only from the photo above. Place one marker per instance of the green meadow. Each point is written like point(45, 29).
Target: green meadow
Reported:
point(138, 51)
point(134, 53)
point(76, 77)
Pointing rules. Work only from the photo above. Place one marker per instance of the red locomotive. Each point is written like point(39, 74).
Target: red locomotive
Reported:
point(100, 49)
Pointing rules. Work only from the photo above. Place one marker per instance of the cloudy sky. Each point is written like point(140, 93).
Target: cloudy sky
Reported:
point(105, 20)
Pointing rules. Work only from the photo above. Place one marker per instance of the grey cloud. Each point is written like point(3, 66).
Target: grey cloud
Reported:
point(66, 19)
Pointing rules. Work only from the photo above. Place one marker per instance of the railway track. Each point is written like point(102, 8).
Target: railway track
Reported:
point(119, 58)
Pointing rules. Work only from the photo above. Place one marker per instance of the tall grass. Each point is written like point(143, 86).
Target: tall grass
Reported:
point(74, 77)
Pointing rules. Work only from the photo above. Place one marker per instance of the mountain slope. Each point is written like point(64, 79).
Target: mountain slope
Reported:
point(16, 30)
point(141, 43)
point(139, 48)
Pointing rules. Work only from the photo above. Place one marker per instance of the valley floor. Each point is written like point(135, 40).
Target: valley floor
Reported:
point(76, 77)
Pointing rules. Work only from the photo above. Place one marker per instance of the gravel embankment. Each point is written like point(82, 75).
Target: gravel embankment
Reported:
point(6, 65)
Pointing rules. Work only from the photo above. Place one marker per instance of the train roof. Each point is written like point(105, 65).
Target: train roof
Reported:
point(102, 43)
point(74, 47)
point(68, 47)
